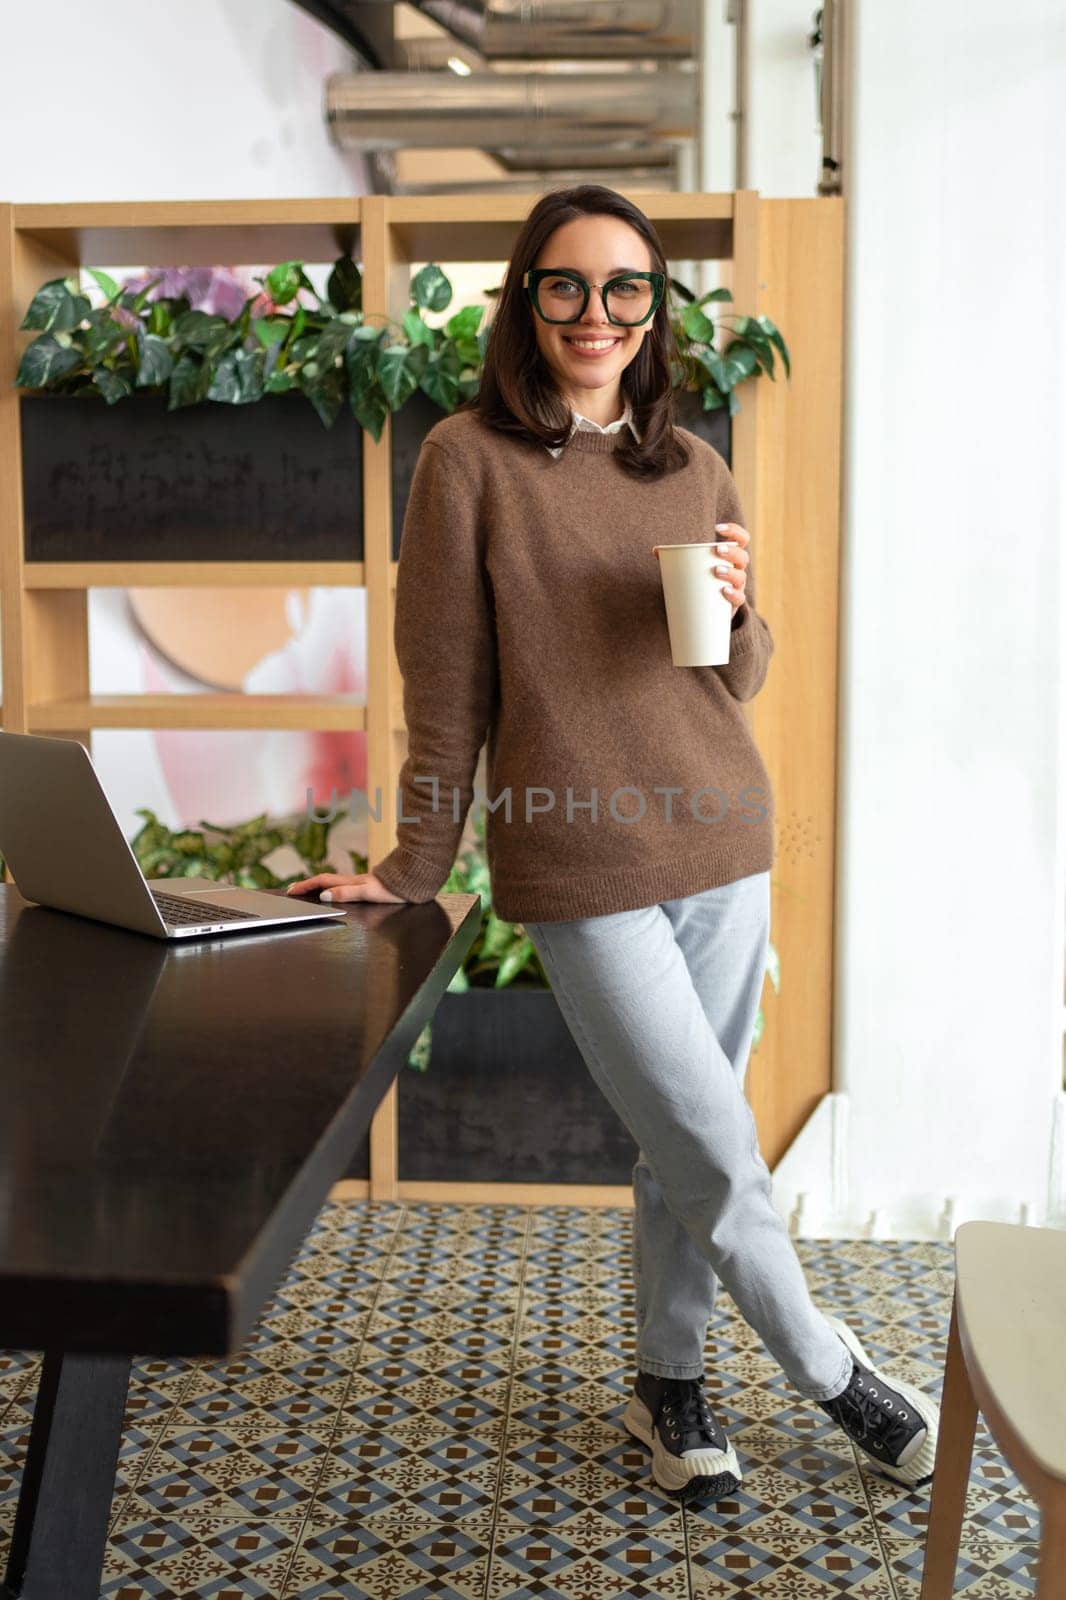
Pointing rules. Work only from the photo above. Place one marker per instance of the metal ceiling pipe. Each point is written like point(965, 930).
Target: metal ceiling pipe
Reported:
point(426, 110)
point(539, 30)
point(616, 158)
point(625, 178)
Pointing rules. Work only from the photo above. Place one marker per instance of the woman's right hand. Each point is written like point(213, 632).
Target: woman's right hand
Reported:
point(339, 886)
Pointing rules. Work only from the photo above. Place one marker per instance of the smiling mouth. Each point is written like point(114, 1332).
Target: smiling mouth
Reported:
point(593, 343)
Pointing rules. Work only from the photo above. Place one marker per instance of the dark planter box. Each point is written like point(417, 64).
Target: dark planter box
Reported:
point(714, 426)
point(409, 427)
point(507, 1099)
point(135, 482)
point(215, 482)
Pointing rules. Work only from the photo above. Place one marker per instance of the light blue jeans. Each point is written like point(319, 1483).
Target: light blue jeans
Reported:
point(661, 1002)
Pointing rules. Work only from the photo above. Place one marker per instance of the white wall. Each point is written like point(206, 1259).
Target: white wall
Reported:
point(782, 139)
point(949, 1002)
point(203, 101)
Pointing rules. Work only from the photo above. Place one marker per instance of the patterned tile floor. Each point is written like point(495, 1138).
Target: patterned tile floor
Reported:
point(431, 1406)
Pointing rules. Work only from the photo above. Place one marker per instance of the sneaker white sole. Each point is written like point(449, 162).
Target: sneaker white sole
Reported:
point(673, 1472)
point(920, 1466)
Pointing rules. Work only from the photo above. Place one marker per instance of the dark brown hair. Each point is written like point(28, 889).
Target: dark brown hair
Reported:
point(518, 393)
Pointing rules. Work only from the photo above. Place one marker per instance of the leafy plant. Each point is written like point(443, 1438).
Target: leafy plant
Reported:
point(749, 351)
point(329, 352)
point(233, 854)
point(773, 969)
point(502, 951)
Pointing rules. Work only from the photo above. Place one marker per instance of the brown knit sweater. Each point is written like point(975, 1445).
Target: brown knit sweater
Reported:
point(529, 610)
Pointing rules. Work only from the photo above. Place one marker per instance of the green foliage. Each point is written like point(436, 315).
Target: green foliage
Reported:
point(330, 353)
point(716, 375)
point(502, 952)
point(773, 969)
point(233, 854)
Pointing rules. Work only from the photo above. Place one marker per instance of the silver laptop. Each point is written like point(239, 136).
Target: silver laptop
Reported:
point(64, 848)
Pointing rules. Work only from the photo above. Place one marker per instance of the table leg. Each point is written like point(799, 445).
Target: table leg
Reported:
point(60, 1532)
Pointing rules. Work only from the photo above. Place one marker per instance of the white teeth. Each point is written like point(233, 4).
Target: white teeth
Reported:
point(593, 344)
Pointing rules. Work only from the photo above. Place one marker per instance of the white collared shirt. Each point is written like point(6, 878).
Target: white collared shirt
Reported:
point(588, 425)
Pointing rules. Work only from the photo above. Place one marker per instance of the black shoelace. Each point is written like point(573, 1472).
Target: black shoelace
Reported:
point(873, 1418)
point(685, 1407)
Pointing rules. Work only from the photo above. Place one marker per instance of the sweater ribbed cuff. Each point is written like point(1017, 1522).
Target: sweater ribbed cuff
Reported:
point(409, 876)
point(742, 637)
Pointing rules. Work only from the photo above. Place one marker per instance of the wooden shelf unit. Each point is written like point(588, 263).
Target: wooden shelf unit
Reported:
point(781, 256)
point(331, 712)
point(189, 574)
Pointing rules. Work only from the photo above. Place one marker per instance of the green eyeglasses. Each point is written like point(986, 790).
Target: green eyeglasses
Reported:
point(559, 295)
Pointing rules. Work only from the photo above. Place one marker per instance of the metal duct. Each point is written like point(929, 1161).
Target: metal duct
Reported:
point(369, 111)
point(624, 178)
point(539, 30)
point(618, 166)
point(617, 158)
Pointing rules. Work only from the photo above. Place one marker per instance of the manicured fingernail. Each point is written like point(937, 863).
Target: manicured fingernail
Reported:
point(721, 527)
point(327, 894)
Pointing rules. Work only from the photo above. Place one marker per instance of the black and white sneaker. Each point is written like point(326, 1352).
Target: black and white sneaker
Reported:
point(689, 1449)
point(895, 1423)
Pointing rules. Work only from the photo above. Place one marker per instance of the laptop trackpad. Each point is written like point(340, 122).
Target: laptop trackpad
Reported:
point(188, 885)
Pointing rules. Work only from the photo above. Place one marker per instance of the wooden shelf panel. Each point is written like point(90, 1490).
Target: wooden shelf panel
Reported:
point(483, 227)
point(194, 233)
point(320, 713)
point(424, 227)
point(193, 574)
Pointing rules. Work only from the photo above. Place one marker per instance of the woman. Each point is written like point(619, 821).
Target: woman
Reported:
point(630, 819)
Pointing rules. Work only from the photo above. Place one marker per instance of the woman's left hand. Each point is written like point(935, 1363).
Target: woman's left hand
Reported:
point(732, 565)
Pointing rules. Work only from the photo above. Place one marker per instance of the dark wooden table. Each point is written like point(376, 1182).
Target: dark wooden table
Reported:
point(172, 1117)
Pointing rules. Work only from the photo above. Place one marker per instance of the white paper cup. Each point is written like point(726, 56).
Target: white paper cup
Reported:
point(698, 615)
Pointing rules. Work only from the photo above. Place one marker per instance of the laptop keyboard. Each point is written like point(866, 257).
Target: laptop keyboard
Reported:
point(175, 910)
